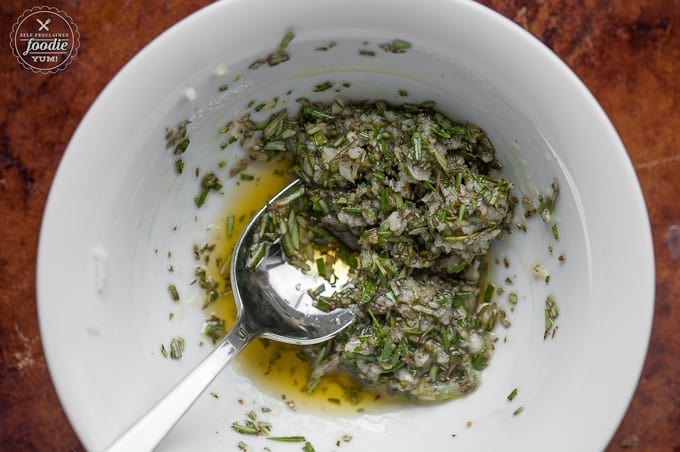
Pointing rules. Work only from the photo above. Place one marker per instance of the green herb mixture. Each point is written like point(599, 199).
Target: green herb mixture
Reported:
point(410, 201)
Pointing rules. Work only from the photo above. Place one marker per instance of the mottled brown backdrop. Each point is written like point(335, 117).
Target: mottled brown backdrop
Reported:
point(627, 52)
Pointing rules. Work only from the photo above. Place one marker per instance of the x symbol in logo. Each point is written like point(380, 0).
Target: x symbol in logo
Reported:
point(43, 25)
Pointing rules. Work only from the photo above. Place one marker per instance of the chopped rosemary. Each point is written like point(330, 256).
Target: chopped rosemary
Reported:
point(279, 56)
point(287, 439)
point(546, 204)
point(245, 429)
point(323, 87)
point(252, 426)
point(176, 348)
point(287, 38)
point(182, 146)
point(179, 166)
point(214, 328)
point(173, 292)
point(177, 135)
point(396, 46)
point(208, 183)
point(177, 138)
point(410, 201)
point(551, 313)
point(366, 52)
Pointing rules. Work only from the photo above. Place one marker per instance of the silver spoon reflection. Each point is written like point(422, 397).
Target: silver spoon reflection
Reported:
point(272, 301)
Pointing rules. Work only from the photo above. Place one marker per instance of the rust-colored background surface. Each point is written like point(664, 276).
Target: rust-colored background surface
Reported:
point(626, 52)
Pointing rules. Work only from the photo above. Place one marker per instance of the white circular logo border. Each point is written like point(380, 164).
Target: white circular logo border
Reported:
point(73, 28)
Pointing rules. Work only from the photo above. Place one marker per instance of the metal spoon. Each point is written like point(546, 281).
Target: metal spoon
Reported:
point(271, 301)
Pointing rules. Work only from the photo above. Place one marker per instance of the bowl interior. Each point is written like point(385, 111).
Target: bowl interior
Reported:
point(105, 249)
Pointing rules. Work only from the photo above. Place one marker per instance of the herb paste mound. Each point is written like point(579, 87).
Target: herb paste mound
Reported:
point(410, 201)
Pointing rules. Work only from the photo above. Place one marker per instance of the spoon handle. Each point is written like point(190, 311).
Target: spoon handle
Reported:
point(150, 429)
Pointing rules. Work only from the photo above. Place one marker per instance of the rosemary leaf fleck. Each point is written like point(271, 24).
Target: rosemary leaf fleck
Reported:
point(366, 52)
point(176, 348)
point(245, 429)
point(287, 439)
point(325, 86)
point(173, 292)
point(287, 38)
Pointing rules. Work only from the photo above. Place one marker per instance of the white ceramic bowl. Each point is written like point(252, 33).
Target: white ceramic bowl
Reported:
point(102, 268)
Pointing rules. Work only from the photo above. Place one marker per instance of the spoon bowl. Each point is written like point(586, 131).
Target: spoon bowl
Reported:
point(272, 298)
point(272, 301)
